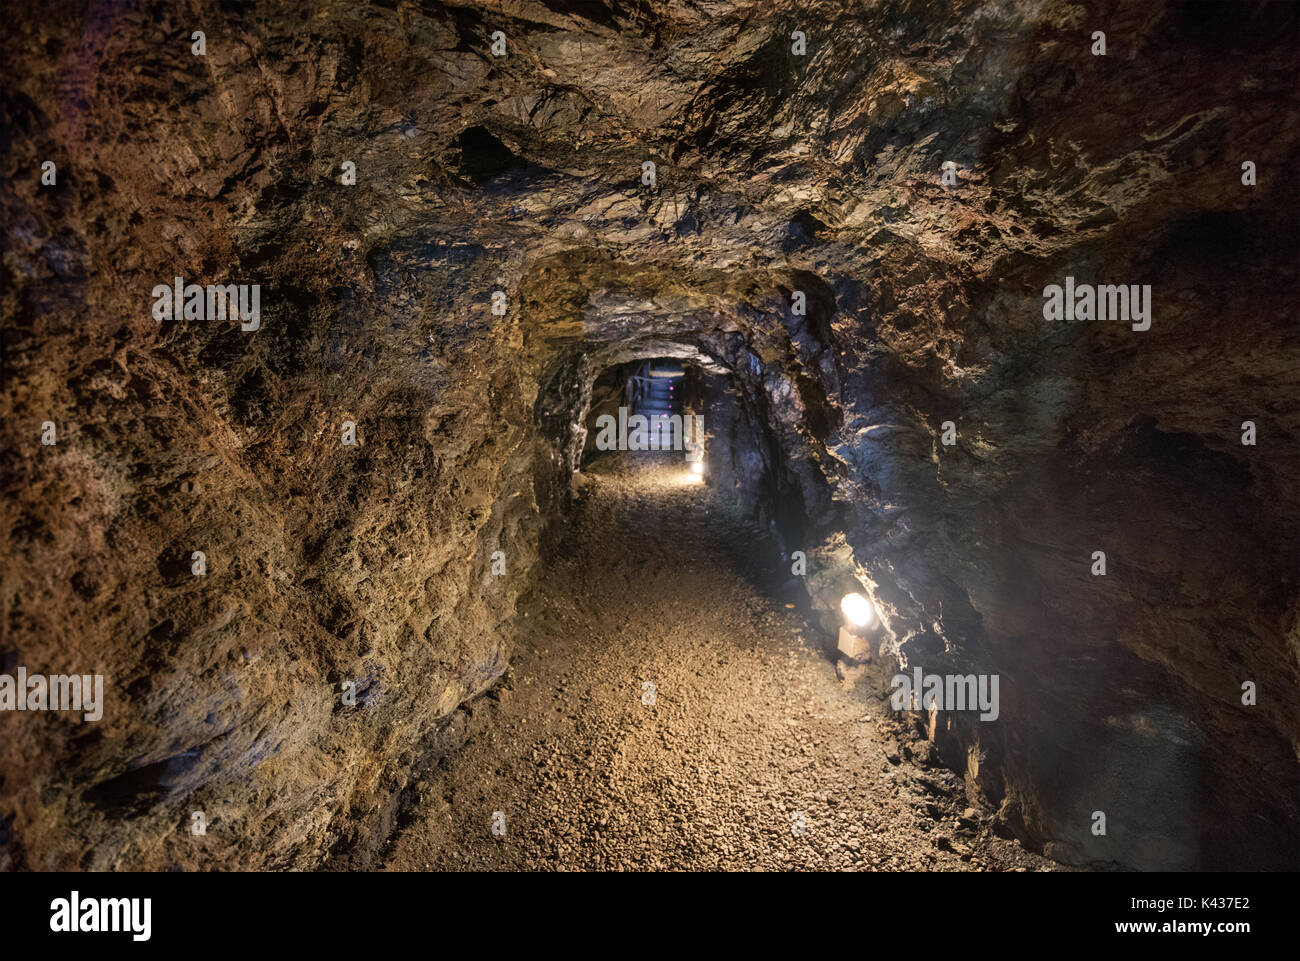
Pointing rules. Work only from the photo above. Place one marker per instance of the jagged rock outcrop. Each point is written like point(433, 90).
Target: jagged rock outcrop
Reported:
point(523, 174)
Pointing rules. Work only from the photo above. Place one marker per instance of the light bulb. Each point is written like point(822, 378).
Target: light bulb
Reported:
point(858, 610)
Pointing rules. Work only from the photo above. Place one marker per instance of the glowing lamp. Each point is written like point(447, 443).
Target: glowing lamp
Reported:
point(858, 610)
point(859, 614)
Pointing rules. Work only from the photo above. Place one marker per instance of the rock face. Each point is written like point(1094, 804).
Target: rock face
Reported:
point(374, 565)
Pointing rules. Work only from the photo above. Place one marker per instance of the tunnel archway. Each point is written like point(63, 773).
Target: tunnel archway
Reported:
point(754, 438)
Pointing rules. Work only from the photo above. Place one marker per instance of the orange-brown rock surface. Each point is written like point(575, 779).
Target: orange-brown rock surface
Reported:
point(329, 564)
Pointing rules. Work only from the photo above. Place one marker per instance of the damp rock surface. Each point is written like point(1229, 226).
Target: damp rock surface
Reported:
point(369, 569)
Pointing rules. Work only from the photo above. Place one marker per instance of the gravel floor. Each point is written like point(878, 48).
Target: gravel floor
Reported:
point(752, 756)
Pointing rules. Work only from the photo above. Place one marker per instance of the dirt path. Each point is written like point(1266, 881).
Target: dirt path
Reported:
point(750, 736)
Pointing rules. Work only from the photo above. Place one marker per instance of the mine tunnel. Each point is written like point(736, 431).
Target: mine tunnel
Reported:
point(674, 436)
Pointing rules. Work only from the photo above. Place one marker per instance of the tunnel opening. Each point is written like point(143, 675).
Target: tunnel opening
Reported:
point(713, 420)
point(647, 406)
point(748, 457)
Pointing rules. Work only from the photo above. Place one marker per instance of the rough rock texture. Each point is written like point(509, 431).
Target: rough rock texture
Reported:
point(522, 173)
point(638, 729)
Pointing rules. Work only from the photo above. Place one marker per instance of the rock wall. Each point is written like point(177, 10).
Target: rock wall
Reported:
point(524, 173)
